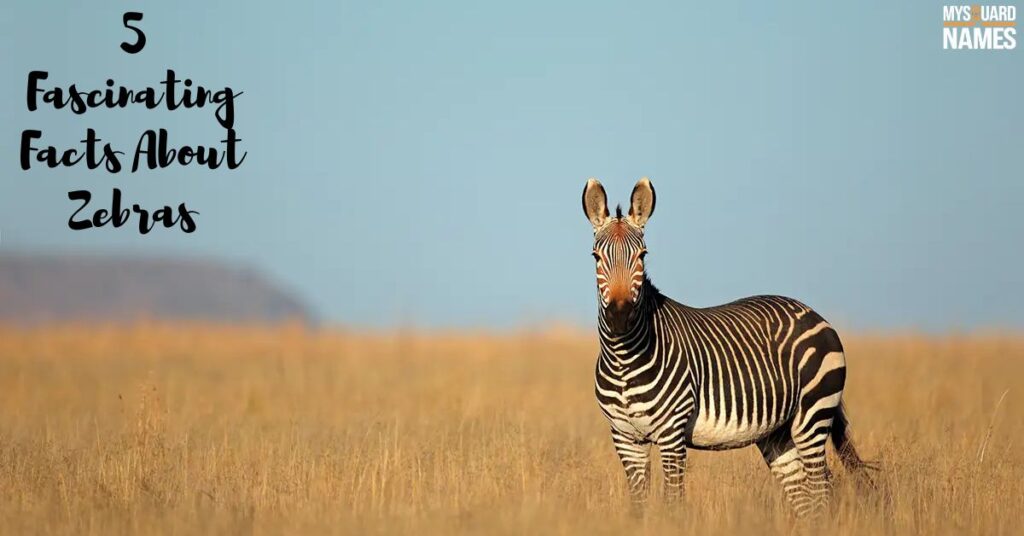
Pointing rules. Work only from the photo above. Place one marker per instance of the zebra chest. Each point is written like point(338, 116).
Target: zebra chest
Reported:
point(640, 419)
point(635, 412)
point(633, 420)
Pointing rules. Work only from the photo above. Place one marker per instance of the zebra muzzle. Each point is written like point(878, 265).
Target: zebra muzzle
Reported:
point(618, 314)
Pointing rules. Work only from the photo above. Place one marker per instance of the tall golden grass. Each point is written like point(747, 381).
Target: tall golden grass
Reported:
point(203, 429)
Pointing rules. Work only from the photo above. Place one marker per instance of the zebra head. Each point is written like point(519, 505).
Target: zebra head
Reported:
point(619, 250)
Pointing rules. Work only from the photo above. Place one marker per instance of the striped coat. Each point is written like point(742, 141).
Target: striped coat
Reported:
point(765, 370)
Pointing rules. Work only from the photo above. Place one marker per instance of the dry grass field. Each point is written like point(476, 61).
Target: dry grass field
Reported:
point(183, 429)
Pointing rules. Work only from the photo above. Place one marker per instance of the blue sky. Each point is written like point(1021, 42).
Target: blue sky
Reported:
point(421, 163)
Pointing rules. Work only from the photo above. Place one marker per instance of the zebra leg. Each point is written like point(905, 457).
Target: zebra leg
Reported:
point(823, 380)
point(673, 463)
point(635, 459)
point(810, 439)
point(785, 463)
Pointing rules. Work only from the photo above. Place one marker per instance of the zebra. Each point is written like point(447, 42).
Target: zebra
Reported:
point(764, 370)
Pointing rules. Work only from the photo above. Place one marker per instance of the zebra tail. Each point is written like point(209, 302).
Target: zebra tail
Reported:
point(844, 446)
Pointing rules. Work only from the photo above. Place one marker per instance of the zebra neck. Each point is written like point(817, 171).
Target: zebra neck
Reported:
point(631, 346)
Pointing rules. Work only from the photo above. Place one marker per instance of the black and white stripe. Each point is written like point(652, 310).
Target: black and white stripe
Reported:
point(765, 370)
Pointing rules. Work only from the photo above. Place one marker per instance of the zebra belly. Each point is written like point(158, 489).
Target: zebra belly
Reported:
point(711, 433)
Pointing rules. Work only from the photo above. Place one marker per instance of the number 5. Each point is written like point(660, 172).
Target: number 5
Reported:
point(141, 41)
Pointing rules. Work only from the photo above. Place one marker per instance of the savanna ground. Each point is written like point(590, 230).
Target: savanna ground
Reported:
point(201, 429)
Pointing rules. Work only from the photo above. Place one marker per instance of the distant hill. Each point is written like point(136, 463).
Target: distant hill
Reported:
point(36, 289)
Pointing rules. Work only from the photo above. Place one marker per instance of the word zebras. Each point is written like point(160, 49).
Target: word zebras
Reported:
point(765, 370)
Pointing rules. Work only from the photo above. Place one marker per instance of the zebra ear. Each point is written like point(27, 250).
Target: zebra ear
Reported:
point(641, 204)
point(595, 203)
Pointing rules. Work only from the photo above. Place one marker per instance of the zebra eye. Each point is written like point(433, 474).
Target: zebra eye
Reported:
point(597, 256)
point(643, 254)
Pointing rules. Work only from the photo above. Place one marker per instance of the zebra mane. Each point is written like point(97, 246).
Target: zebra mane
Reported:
point(618, 211)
